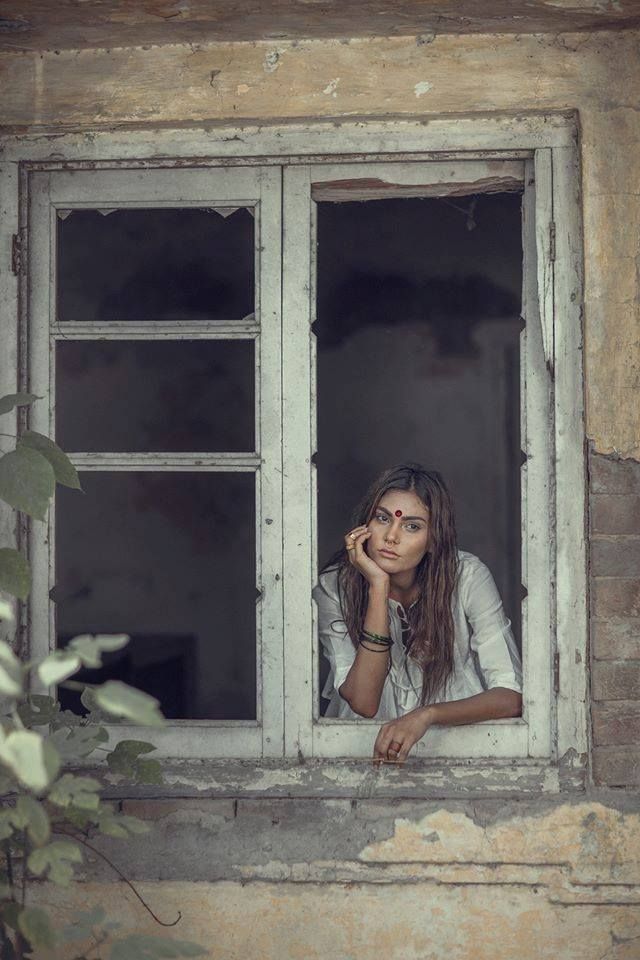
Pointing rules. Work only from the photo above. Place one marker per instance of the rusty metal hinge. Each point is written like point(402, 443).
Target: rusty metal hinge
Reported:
point(552, 242)
point(556, 672)
point(16, 254)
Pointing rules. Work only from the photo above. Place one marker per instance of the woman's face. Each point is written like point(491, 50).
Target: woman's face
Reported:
point(400, 526)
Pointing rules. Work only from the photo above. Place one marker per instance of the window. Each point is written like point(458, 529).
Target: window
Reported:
point(175, 470)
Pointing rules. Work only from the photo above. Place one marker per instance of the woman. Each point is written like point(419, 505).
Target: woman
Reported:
point(413, 628)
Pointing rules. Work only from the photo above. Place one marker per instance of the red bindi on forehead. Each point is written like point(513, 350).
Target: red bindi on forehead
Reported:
point(398, 513)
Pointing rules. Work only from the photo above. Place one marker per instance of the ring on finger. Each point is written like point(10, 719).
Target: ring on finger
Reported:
point(353, 536)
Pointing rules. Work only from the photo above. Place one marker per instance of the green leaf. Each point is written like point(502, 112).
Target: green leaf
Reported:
point(138, 946)
point(78, 741)
point(57, 667)
point(35, 925)
point(79, 791)
point(123, 758)
point(149, 771)
point(38, 710)
point(27, 481)
point(64, 470)
point(12, 400)
point(89, 647)
point(7, 825)
point(11, 672)
point(9, 913)
point(79, 818)
point(32, 760)
point(114, 824)
point(82, 927)
point(121, 700)
point(6, 611)
point(56, 859)
point(15, 575)
point(32, 815)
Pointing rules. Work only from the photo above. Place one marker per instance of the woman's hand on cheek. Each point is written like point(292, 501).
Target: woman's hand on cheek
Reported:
point(397, 737)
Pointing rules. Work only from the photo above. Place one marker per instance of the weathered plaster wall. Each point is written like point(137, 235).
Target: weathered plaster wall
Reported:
point(307, 879)
point(434, 877)
point(598, 74)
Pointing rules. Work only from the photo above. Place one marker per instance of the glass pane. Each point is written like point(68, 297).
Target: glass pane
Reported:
point(418, 359)
point(179, 395)
point(168, 558)
point(159, 264)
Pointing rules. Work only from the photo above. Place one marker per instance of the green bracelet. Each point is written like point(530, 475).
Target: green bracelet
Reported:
point(378, 638)
point(381, 648)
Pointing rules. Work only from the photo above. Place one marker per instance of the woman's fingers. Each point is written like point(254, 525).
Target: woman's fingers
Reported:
point(353, 542)
point(392, 745)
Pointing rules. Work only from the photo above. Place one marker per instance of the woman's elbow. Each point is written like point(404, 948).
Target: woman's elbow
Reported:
point(513, 703)
point(366, 710)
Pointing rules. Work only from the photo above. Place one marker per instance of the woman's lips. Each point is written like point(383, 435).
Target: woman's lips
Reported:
point(389, 553)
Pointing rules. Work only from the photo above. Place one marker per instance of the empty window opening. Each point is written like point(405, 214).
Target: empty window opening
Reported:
point(418, 358)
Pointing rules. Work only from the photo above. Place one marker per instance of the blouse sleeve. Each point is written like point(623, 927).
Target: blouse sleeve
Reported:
point(333, 635)
point(491, 638)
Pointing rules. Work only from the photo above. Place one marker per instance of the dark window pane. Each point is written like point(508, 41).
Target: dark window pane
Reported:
point(168, 558)
point(159, 264)
point(418, 358)
point(181, 395)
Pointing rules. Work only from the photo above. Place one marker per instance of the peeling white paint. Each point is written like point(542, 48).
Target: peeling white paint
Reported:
point(272, 60)
point(243, 88)
point(331, 87)
point(597, 6)
point(422, 87)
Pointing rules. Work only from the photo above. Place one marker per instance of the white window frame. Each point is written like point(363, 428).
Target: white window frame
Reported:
point(555, 754)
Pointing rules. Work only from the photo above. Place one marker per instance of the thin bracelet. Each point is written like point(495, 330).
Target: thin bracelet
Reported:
point(373, 649)
point(377, 637)
point(378, 643)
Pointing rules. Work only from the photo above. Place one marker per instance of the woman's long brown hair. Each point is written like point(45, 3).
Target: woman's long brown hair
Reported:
point(431, 634)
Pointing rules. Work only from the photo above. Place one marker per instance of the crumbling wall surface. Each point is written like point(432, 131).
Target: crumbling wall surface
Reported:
point(597, 74)
point(273, 879)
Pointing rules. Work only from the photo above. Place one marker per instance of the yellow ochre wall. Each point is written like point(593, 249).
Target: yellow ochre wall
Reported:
point(597, 74)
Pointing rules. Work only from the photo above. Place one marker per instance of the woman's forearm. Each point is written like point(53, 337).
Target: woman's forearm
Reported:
point(363, 685)
point(493, 704)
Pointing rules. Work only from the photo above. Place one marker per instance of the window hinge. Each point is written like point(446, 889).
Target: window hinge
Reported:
point(552, 242)
point(16, 254)
point(556, 672)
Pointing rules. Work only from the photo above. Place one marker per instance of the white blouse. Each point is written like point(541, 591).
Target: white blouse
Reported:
point(485, 652)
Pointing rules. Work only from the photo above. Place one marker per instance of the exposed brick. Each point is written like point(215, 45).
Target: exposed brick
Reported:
point(616, 723)
point(615, 556)
point(616, 639)
point(614, 599)
point(614, 514)
point(613, 476)
point(616, 680)
point(616, 766)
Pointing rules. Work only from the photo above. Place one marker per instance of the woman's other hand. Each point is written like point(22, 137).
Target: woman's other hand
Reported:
point(354, 542)
point(396, 738)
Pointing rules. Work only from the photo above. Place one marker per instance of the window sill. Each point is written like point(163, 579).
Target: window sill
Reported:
point(354, 778)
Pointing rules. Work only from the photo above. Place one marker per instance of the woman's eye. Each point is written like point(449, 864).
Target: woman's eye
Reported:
point(381, 516)
point(414, 526)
